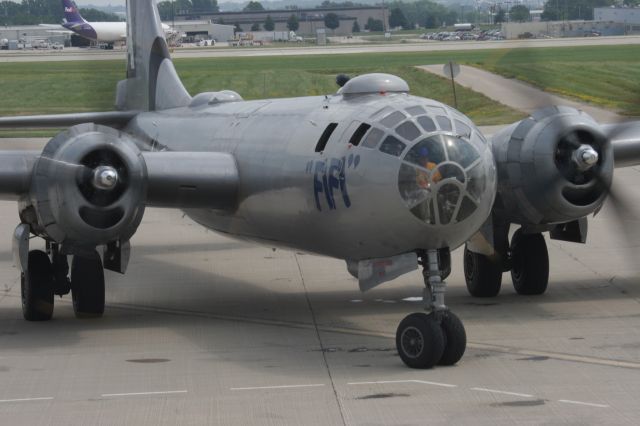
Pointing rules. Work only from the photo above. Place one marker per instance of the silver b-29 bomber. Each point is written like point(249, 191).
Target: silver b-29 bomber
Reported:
point(372, 175)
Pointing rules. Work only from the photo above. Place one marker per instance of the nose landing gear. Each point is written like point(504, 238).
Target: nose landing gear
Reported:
point(437, 336)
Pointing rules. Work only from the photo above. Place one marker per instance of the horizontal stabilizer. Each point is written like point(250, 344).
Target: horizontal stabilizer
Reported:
point(115, 119)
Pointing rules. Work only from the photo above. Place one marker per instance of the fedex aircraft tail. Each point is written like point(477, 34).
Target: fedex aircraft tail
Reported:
point(152, 82)
point(71, 13)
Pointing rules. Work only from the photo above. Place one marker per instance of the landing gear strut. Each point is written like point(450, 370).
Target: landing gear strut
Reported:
point(436, 336)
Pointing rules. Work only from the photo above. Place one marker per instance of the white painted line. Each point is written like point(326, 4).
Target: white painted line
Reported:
point(143, 393)
point(446, 385)
point(424, 382)
point(524, 395)
point(279, 387)
point(45, 398)
point(588, 404)
point(380, 382)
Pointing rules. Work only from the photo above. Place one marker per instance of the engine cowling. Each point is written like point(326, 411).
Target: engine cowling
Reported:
point(553, 167)
point(88, 187)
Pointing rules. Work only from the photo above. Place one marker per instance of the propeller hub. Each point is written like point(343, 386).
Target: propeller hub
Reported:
point(585, 157)
point(105, 178)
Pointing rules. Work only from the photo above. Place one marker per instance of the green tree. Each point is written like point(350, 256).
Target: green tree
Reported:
point(255, 26)
point(253, 6)
point(331, 21)
point(269, 25)
point(397, 18)
point(356, 27)
point(560, 10)
point(519, 13)
point(426, 13)
point(293, 23)
point(205, 5)
point(237, 28)
point(183, 6)
point(374, 25)
point(97, 15)
point(166, 10)
point(500, 16)
point(332, 4)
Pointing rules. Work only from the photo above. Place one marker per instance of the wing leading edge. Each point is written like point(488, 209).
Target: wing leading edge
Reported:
point(117, 119)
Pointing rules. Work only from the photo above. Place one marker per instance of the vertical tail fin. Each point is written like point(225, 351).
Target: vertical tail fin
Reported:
point(152, 82)
point(71, 13)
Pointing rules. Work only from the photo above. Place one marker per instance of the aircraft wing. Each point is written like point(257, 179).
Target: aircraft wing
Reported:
point(144, 173)
point(56, 29)
point(625, 139)
point(108, 118)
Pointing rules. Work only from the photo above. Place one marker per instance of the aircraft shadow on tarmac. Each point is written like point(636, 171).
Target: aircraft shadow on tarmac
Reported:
point(198, 305)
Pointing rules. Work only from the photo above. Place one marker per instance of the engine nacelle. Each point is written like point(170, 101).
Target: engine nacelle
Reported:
point(553, 167)
point(88, 188)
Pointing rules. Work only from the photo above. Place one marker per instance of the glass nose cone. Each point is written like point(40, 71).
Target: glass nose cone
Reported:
point(441, 179)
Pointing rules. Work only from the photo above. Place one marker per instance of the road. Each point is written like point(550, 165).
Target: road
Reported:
point(516, 94)
point(427, 46)
point(207, 330)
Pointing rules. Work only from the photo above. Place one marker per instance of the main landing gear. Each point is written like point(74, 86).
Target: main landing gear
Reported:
point(527, 259)
point(437, 336)
point(47, 275)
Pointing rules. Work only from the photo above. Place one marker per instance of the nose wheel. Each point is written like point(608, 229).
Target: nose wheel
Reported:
point(434, 337)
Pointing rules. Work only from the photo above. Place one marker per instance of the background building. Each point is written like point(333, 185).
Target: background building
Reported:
point(203, 30)
point(310, 20)
point(629, 16)
point(515, 30)
point(31, 33)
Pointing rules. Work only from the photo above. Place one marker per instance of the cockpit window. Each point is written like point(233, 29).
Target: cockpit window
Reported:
point(462, 129)
point(460, 151)
point(427, 151)
point(427, 123)
point(415, 110)
point(392, 146)
point(447, 199)
point(373, 138)
point(444, 123)
point(392, 119)
point(359, 133)
point(441, 179)
point(324, 137)
point(408, 130)
point(381, 112)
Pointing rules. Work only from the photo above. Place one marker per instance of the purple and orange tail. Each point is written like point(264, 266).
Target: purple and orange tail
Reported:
point(71, 13)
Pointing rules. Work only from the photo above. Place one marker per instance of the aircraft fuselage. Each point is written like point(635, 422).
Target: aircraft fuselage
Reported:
point(338, 201)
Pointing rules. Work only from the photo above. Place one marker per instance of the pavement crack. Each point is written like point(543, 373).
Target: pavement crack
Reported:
point(322, 348)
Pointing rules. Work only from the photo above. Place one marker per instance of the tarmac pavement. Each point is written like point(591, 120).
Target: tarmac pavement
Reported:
point(207, 330)
point(75, 54)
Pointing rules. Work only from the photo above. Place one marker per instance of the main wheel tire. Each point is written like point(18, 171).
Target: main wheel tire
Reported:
point(455, 338)
point(87, 286)
point(483, 277)
point(419, 340)
point(37, 286)
point(529, 263)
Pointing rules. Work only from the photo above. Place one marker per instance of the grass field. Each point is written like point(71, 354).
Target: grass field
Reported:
point(605, 75)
